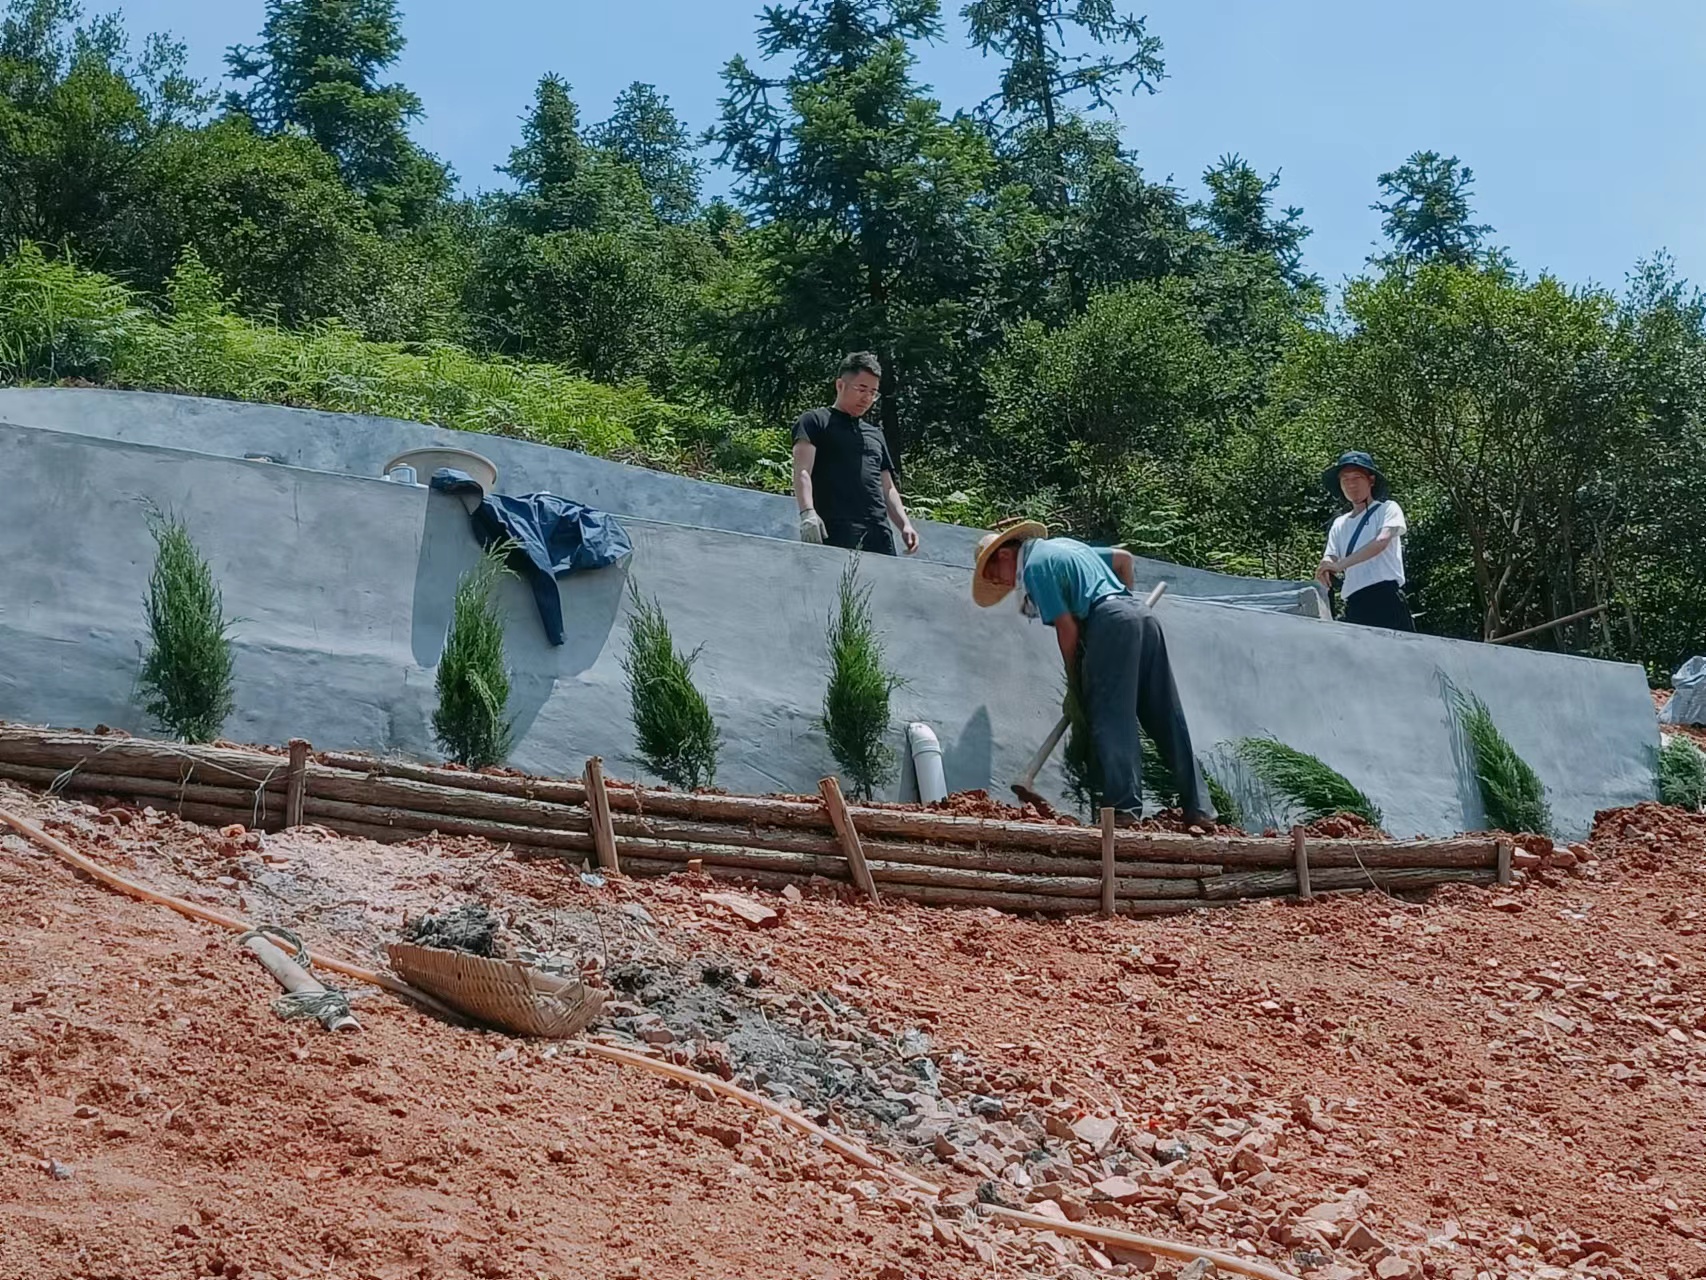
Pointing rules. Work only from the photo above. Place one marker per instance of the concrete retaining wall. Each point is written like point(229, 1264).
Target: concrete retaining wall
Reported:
point(361, 445)
point(344, 585)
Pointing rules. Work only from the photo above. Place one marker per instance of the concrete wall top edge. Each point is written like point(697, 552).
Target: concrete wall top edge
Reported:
point(360, 444)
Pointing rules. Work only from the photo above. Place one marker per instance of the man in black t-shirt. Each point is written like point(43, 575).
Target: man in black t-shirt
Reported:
point(843, 472)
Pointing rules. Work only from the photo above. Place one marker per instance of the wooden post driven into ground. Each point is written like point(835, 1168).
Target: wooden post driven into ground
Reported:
point(598, 802)
point(848, 835)
point(296, 782)
point(1107, 862)
point(1504, 855)
point(1300, 853)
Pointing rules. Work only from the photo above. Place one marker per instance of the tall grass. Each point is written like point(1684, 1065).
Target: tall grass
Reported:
point(856, 702)
point(471, 720)
point(59, 321)
point(1682, 774)
point(186, 677)
point(1512, 795)
point(676, 737)
point(1310, 787)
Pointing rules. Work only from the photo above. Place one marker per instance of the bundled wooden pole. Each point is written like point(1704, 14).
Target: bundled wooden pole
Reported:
point(299, 982)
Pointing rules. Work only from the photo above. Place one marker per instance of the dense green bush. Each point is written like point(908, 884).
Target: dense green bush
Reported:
point(471, 722)
point(59, 321)
point(1682, 774)
point(675, 736)
point(187, 672)
point(856, 703)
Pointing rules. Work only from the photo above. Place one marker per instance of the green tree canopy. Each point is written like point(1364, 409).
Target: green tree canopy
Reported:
point(317, 68)
point(1427, 212)
point(645, 134)
point(1041, 76)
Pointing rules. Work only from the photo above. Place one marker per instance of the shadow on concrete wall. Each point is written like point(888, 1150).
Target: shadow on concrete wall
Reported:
point(970, 760)
point(592, 601)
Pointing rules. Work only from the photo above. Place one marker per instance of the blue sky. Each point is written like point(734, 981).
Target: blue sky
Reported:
point(1584, 120)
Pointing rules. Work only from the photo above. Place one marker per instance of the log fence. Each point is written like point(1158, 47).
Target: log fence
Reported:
point(919, 856)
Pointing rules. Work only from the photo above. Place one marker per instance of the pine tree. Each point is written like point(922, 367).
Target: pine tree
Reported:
point(1041, 77)
point(872, 203)
point(317, 68)
point(647, 136)
point(1428, 214)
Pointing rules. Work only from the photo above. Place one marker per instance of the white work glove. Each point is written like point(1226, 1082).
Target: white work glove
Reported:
point(811, 527)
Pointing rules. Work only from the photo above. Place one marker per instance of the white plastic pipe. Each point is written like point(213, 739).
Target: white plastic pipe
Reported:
point(927, 762)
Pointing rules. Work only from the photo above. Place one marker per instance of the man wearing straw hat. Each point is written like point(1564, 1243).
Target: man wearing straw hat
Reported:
point(1086, 595)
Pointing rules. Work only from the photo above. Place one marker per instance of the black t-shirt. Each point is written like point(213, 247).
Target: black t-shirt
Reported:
point(847, 475)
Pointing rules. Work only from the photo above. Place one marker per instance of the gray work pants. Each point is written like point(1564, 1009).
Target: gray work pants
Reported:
point(1126, 680)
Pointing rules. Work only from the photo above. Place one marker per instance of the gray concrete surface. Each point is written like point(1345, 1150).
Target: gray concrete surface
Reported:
point(361, 445)
point(343, 586)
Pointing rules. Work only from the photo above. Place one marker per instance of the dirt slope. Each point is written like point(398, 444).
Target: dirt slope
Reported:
point(1485, 1084)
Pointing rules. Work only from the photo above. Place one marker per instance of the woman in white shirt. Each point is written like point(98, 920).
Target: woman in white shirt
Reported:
point(1366, 546)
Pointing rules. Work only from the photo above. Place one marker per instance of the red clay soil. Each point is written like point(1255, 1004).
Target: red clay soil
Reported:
point(1484, 1084)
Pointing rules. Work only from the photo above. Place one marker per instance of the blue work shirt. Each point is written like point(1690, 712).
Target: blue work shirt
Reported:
point(1065, 576)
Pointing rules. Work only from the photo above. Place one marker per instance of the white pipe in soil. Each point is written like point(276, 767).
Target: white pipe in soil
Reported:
point(927, 762)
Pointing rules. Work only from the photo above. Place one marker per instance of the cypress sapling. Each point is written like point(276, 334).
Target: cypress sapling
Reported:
point(1511, 793)
point(473, 683)
point(856, 703)
point(673, 729)
point(1682, 774)
point(186, 677)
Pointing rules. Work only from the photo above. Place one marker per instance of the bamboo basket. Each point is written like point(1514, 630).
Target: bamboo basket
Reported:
point(501, 993)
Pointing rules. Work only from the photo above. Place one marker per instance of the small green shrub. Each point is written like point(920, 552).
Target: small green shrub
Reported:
point(186, 673)
point(473, 683)
point(1512, 794)
point(1682, 774)
point(856, 703)
point(673, 728)
point(1310, 787)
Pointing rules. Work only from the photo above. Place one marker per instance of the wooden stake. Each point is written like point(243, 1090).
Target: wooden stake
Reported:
point(296, 785)
point(1300, 855)
point(849, 834)
point(598, 800)
point(1504, 848)
point(1107, 863)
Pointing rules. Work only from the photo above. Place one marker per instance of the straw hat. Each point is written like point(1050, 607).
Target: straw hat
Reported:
point(984, 591)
